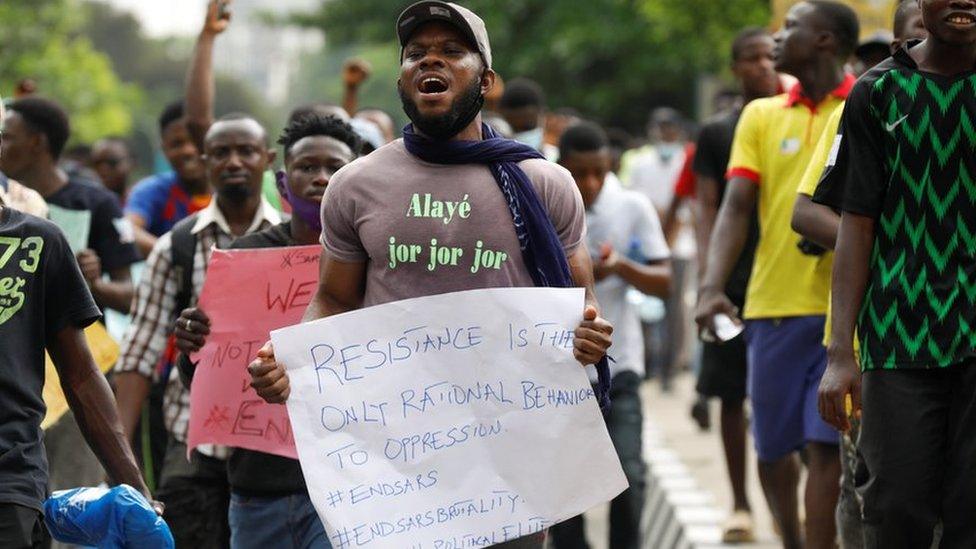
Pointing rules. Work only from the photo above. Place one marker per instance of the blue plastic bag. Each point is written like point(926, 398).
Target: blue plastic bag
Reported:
point(107, 518)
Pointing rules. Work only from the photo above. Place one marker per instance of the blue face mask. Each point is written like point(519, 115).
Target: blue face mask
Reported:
point(307, 210)
point(532, 138)
point(667, 151)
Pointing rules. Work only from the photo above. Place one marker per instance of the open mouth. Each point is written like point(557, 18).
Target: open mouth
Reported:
point(432, 85)
point(961, 19)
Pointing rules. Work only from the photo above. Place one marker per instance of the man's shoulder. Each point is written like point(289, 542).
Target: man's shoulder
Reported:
point(874, 81)
point(766, 106)
point(718, 130)
point(89, 194)
point(374, 166)
point(544, 169)
point(276, 236)
point(28, 224)
point(721, 121)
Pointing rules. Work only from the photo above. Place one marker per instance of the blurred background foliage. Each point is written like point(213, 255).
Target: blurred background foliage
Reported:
point(613, 60)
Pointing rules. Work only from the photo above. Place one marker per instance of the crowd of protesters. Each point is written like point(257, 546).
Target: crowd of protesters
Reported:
point(808, 251)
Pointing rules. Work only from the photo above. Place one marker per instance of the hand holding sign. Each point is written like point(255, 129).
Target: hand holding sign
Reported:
point(224, 408)
point(268, 378)
point(592, 337)
point(192, 329)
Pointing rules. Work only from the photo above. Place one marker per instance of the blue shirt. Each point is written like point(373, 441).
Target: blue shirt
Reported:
point(161, 201)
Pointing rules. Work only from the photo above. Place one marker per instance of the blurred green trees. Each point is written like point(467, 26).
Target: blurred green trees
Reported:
point(611, 59)
point(96, 61)
point(41, 40)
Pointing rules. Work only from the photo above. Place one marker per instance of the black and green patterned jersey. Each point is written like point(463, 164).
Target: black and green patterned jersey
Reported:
point(911, 140)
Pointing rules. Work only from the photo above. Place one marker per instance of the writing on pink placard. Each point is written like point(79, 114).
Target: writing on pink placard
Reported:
point(247, 294)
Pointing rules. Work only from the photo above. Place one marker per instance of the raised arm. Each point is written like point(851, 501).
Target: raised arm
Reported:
point(354, 73)
point(200, 86)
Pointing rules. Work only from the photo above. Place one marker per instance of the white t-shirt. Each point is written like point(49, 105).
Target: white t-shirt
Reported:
point(652, 173)
point(626, 220)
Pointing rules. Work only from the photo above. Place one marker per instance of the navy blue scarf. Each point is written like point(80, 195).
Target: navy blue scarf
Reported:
point(542, 251)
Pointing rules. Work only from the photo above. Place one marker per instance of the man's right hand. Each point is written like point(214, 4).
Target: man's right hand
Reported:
point(711, 303)
point(842, 378)
point(218, 17)
point(355, 71)
point(268, 377)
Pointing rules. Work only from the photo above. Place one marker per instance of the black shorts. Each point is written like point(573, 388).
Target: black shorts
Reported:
point(22, 527)
point(724, 370)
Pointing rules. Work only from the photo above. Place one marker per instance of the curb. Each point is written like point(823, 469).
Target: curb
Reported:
point(678, 514)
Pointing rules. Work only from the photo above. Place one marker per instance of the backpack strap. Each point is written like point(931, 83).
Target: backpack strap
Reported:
point(183, 251)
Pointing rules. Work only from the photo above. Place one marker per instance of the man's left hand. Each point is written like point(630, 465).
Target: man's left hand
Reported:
point(592, 337)
point(91, 265)
point(191, 330)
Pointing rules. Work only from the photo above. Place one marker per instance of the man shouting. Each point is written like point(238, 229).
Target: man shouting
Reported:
point(451, 206)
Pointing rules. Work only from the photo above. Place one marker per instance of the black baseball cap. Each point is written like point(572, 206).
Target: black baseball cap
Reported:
point(465, 20)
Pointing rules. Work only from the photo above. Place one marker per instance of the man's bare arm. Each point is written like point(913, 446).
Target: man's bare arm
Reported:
point(90, 398)
point(145, 240)
point(849, 282)
point(707, 202)
point(581, 270)
point(201, 88)
point(341, 288)
point(727, 241)
point(815, 221)
point(115, 293)
point(653, 278)
point(131, 391)
point(593, 335)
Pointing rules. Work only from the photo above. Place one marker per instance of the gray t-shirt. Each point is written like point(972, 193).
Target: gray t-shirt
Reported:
point(629, 223)
point(428, 229)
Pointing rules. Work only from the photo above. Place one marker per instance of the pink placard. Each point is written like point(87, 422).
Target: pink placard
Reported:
point(247, 294)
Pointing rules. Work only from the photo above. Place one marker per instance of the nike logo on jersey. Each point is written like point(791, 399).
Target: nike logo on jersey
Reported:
point(891, 126)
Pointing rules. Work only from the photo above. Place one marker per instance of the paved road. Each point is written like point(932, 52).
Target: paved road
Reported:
point(671, 433)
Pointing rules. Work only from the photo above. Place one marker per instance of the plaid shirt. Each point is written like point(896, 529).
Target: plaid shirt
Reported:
point(153, 311)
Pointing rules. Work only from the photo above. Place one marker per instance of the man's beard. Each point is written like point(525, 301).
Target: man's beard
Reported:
point(236, 193)
point(441, 128)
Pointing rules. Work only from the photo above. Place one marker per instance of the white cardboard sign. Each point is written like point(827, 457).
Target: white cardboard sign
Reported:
point(449, 421)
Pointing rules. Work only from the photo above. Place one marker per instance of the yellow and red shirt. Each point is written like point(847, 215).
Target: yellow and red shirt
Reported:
point(774, 143)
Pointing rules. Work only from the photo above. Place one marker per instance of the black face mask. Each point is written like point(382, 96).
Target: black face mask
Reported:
point(441, 128)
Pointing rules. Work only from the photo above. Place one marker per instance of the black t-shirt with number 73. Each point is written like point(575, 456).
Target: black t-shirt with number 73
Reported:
point(41, 292)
